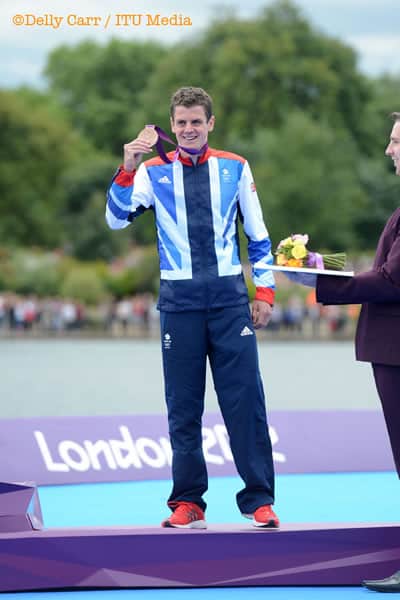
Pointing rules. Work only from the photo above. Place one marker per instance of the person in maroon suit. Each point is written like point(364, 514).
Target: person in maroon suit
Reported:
point(378, 330)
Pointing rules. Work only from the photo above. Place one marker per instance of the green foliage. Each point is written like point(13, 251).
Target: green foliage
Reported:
point(381, 191)
point(42, 281)
point(258, 71)
point(142, 277)
point(377, 126)
point(83, 284)
point(6, 271)
point(85, 232)
point(34, 151)
point(44, 274)
point(101, 86)
point(31, 272)
point(308, 183)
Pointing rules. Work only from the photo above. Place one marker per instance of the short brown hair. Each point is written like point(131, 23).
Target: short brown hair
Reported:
point(395, 116)
point(191, 96)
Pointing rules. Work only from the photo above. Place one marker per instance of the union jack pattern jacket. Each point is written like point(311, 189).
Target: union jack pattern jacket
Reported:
point(197, 208)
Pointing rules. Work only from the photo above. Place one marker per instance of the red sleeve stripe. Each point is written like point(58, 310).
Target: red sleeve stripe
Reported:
point(124, 178)
point(265, 294)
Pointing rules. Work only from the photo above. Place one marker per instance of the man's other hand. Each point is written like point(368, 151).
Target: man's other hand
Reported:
point(260, 313)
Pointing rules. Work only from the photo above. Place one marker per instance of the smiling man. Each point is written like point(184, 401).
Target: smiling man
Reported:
point(198, 195)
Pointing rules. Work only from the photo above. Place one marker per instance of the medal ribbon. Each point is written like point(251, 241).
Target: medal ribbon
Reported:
point(160, 148)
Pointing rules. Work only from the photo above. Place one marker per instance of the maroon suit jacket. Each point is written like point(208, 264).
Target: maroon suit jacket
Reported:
point(378, 290)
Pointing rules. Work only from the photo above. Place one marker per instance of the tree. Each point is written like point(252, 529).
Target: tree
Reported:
point(35, 149)
point(308, 182)
point(377, 124)
point(85, 232)
point(101, 86)
point(259, 70)
point(376, 172)
point(83, 284)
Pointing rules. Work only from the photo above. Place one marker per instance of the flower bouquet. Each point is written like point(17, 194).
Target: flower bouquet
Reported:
point(293, 252)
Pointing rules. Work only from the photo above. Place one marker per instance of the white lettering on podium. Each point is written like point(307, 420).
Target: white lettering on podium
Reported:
point(144, 445)
point(67, 448)
point(45, 452)
point(166, 446)
point(126, 452)
point(94, 449)
point(209, 441)
point(277, 456)
point(223, 439)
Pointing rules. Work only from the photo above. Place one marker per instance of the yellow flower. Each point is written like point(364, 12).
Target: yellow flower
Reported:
point(287, 242)
point(281, 260)
point(299, 251)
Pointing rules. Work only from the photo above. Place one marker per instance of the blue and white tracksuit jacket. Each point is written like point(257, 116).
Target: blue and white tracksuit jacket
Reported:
point(196, 211)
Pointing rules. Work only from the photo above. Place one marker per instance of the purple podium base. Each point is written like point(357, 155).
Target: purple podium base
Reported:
point(309, 554)
point(19, 507)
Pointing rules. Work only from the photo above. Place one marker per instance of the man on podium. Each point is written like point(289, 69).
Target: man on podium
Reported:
point(197, 195)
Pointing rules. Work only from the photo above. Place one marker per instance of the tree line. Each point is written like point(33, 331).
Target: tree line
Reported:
point(288, 97)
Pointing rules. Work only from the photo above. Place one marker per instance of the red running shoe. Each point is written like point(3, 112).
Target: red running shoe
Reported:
point(264, 516)
point(186, 515)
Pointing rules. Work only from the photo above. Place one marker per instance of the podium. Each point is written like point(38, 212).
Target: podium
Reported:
point(220, 556)
point(33, 558)
point(19, 507)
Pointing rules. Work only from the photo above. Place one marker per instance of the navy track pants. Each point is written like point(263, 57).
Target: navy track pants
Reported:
point(226, 337)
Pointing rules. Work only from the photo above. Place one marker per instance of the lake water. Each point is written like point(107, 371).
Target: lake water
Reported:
point(88, 377)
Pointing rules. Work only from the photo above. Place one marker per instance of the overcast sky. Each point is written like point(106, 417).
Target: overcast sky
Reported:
point(371, 27)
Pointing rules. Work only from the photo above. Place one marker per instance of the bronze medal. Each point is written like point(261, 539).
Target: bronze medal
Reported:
point(149, 135)
point(154, 135)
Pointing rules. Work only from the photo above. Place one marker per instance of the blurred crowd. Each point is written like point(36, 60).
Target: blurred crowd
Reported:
point(28, 314)
point(298, 316)
point(303, 317)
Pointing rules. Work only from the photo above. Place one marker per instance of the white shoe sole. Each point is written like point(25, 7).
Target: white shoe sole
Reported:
point(193, 525)
point(269, 525)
